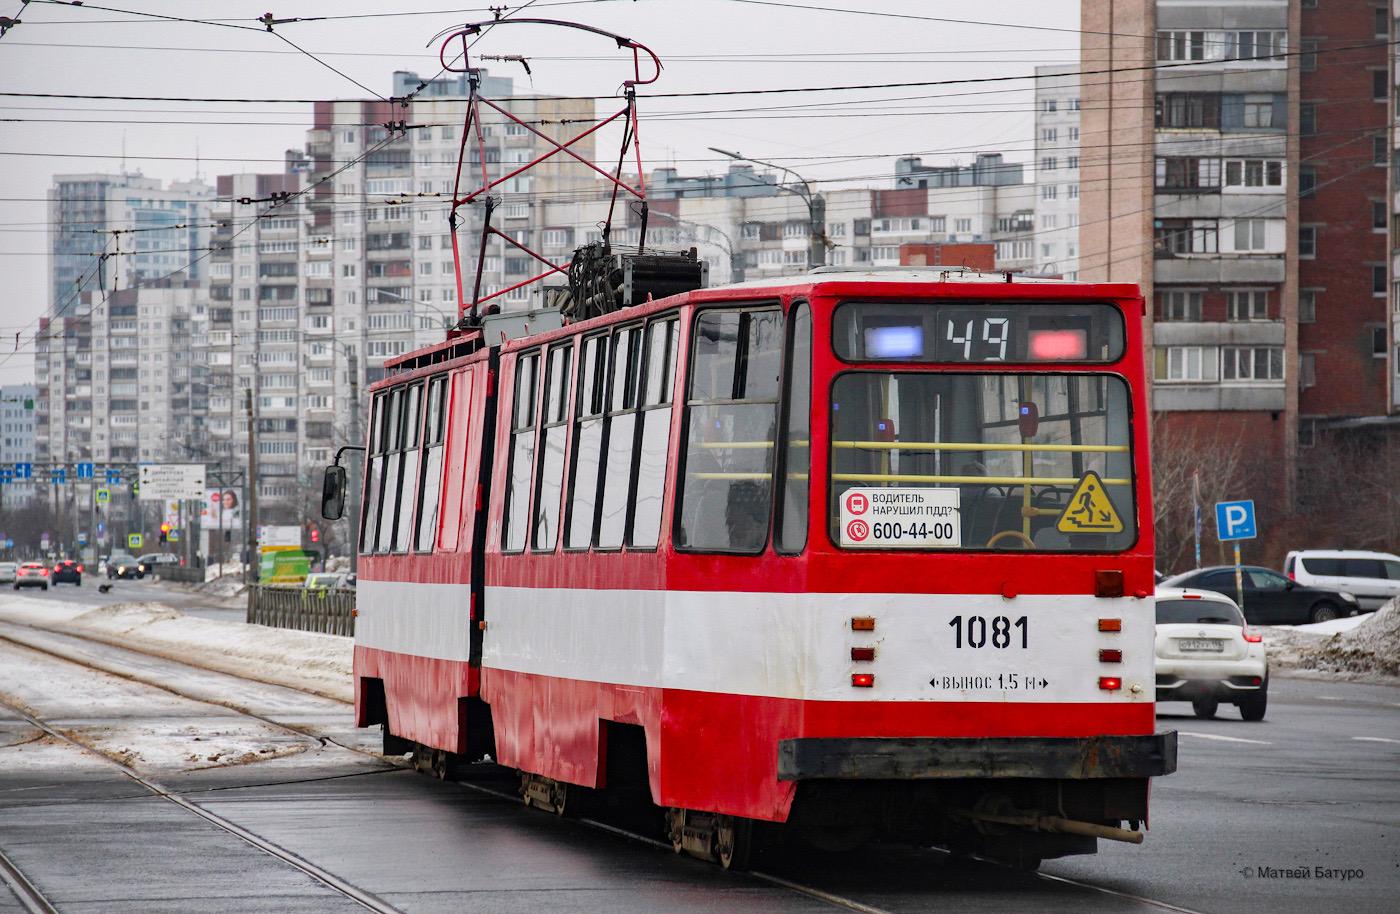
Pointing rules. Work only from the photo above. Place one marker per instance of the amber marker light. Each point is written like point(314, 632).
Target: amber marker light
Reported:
point(863, 680)
point(863, 624)
point(1110, 683)
point(862, 653)
point(1110, 656)
point(1108, 583)
point(1110, 625)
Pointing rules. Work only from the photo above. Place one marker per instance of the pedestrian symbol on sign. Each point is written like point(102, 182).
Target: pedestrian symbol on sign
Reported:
point(1090, 510)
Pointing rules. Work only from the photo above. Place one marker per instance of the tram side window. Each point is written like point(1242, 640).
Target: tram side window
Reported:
point(404, 491)
point(554, 427)
point(662, 339)
point(430, 487)
point(797, 439)
point(369, 519)
point(588, 443)
point(522, 452)
point(731, 420)
point(624, 365)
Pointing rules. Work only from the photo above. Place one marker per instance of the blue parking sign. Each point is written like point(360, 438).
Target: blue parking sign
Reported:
point(1234, 520)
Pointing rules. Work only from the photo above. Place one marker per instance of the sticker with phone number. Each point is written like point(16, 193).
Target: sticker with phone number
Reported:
point(901, 518)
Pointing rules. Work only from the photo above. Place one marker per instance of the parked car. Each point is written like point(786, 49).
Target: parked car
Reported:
point(1371, 577)
point(1269, 597)
point(32, 574)
point(67, 571)
point(121, 565)
point(8, 572)
point(1206, 654)
point(152, 562)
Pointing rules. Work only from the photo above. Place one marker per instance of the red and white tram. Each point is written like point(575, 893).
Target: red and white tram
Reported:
point(856, 551)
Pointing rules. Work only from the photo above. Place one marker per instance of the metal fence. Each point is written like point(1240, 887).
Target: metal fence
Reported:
point(328, 610)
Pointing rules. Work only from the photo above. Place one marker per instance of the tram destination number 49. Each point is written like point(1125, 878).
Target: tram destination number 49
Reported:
point(1001, 632)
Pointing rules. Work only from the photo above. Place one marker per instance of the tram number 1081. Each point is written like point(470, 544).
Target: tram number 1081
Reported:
point(1002, 631)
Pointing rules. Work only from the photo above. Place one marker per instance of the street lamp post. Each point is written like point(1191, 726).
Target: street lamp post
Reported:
point(816, 207)
point(736, 264)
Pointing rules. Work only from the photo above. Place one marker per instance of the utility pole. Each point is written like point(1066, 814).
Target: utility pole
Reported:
point(816, 207)
point(254, 563)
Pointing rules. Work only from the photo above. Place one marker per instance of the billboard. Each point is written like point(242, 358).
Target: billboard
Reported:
point(222, 510)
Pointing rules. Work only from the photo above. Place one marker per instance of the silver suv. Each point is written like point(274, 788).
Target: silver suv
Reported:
point(1371, 577)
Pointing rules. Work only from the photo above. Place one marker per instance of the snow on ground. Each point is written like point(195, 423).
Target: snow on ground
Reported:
point(1365, 646)
point(302, 660)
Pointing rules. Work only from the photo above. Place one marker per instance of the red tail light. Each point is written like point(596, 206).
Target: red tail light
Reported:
point(1290, 576)
point(1110, 683)
point(1251, 637)
point(80, 569)
point(863, 680)
point(44, 572)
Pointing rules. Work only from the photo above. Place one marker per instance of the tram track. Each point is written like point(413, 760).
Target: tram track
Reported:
point(15, 879)
point(29, 896)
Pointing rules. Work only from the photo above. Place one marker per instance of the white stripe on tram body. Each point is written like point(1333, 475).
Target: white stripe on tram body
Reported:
point(1034, 648)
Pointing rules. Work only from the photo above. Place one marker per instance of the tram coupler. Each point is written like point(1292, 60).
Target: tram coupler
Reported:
point(1056, 825)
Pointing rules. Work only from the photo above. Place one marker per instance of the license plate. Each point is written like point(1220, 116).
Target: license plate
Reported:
point(1201, 644)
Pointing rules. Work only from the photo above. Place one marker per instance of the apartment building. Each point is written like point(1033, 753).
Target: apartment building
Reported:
point(1057, 107)
point(17, 405)
point(1244, 187)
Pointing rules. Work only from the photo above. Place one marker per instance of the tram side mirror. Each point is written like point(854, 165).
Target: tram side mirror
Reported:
point(333, 493)
point(1029, 419)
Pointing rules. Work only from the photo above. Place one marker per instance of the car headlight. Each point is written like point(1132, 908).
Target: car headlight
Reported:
point(1346, 596)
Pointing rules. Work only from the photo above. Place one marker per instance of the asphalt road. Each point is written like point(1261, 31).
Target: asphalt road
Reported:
point(146, 590)
point(1314, 785)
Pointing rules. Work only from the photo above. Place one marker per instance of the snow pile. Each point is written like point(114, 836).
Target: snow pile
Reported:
point(1368, 646)
point(302, 660)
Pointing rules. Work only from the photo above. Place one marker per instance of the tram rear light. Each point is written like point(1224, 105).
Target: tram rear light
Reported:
point(1110, 656)
point(863, 624)
point(1110, 683)
point(1110, 625)
point(863, 680)
point(1108, 583)
point(862, 653)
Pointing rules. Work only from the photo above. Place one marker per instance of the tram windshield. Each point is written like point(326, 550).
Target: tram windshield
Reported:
point(923, 460)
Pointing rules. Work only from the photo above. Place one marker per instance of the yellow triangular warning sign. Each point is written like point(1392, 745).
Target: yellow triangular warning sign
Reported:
point(1090, 510)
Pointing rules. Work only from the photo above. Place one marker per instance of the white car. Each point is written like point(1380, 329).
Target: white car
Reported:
point(8, 572)
point(1206, 654)
point(1371, 577)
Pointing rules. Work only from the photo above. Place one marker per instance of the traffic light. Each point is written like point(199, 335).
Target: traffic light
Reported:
point(315, 535)
point(164, 532)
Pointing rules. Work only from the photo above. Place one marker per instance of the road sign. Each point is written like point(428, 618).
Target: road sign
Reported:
point(59, 474)
point(171, 481)
point(24, 470)
point(84, 471)
point(82, 538)
point(173, 535)
point(9, 544)
point(1234, 520)
point(133, 540)
point(101, 527)
point(104, 496)
point(114, 477)
point(1090, 510)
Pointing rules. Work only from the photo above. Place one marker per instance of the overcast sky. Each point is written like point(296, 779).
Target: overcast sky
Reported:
point(704, 45)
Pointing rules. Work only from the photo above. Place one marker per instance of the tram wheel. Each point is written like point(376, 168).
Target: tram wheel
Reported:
point(675, 828)
point(559, 797)
point(734, 840)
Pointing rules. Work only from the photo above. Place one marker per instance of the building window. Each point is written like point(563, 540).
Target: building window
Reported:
point(1180, 305)
point(1253, 173)
point(1253, 45)
point(1188, 173)
point(1072, 162)
point(1181, 45)
point(1307, 371)
point(1307, 306)
point(1307, 55)
point(1379, 216)
point(1251, 363)
point(1307, 241)
point(1049, 192)
point(1250, 235)
point(1048, 106)
point(1247, 305)
point(1382, 14)
point(1188, 109)
point(1307, 180)
point(1047, 163)
point(1186, 236)
point(1307, 119)
point(962, 225)
point(1378, 279)
point(1379, 86)
point(1378, 342)
point(1185, 363)
point(1380, 152)
point(1049, 135)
